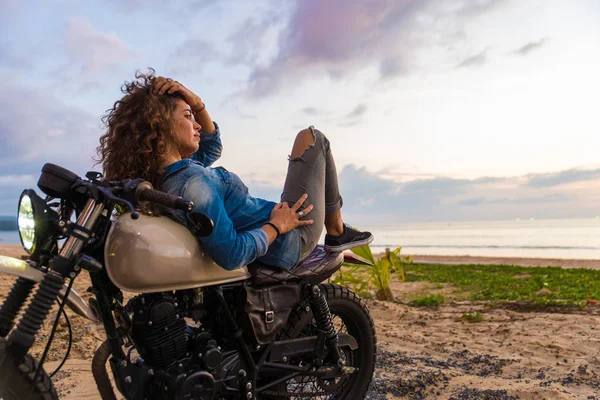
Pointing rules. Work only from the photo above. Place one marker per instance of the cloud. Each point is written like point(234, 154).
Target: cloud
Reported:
point(36, 127)
point(342, 37)
point(94, 50)
point(370, 198)
point(312, 111)
point(253, 35)
point(474, 201)
point(402, 174)
point(562, 177)
point(393, 67)
point(11, 187)
point(529, 47)
point(538, 200)
point(244, 46)
point(474, 61)
point(349, 124)
point(358, 111)
point(243, 40)
point(353, 118)
point(360, 183)
point(12, 180)
point(192, 55)
point(436, 186)
point(173, 7)
point(488, 179)
point(11, 59)
point(9, 9)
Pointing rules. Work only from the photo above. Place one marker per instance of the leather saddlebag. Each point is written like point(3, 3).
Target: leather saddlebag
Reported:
point(269, 308)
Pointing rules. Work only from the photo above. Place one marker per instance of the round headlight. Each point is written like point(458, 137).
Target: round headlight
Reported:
point(37, 225)
point(26, 222)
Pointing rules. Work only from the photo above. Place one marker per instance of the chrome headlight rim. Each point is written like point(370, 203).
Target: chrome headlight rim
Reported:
point(27, 216)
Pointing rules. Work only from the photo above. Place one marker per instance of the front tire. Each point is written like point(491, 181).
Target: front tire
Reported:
point(16, 378)
point(350, 315)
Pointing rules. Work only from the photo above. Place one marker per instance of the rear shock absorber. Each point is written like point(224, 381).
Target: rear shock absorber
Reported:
point(324, 321)
point(13, 304)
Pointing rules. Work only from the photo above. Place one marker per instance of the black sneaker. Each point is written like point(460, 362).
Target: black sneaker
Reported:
point(350, 239)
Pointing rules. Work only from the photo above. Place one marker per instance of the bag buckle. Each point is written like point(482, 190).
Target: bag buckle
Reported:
point(269, 317)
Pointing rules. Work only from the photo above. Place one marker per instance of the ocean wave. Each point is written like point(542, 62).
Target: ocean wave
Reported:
point(434, 246)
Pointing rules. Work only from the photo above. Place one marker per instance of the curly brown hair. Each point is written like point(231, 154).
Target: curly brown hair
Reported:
point(139, 131)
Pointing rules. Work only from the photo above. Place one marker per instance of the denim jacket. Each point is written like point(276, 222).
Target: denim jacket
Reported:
point(237, 238)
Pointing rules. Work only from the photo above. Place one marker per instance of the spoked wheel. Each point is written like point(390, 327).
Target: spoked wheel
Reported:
point(350, 316)
point(18, 380)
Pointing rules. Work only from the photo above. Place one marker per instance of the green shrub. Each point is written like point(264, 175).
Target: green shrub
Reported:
point(432, 300)
point(473, 317)
point(397, 262)
point(363, 278)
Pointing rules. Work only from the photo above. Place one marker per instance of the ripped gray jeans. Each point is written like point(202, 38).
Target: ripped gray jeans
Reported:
point(313, 173)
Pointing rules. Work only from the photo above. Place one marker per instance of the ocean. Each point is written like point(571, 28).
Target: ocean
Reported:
point(9, 237)
point(552, 238)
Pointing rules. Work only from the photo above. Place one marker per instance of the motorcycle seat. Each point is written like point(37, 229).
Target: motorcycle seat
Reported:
point(318, 266)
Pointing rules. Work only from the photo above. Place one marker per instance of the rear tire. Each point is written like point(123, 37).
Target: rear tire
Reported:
point(349, 311)
point(16, 378)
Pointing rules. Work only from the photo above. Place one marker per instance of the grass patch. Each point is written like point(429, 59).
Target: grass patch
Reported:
point(497, 283)
point(473, 317)
point(432, 300)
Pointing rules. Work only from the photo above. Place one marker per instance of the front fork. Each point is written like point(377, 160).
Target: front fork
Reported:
point(63, 265)
point(13, 304)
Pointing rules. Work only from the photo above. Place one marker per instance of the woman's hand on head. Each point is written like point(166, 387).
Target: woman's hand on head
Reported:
point(287, 218)
point(164, 85)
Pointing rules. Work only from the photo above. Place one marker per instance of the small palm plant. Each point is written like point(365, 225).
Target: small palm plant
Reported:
point(371, 273)
point(397, 262)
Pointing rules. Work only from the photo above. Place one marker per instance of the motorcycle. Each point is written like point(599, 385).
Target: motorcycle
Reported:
point(193, 330)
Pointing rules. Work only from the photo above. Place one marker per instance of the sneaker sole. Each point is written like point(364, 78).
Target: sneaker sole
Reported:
point(350, 245)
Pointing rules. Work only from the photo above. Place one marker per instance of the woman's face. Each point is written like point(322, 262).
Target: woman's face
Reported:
point(187, 131)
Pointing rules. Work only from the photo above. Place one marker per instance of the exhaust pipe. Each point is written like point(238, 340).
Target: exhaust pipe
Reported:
point(100, 374)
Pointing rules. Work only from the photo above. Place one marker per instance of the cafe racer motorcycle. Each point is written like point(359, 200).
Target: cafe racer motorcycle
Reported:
point(193, 330)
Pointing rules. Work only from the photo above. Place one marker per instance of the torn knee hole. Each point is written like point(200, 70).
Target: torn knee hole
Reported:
point(291, 157)
point(307, 146)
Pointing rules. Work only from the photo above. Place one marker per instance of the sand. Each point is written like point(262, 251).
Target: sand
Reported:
point(424, 353)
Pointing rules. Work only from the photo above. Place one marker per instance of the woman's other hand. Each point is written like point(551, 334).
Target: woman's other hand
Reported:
point(287, 218)
point(164, 85)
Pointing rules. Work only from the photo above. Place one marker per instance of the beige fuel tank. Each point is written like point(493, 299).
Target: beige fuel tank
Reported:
point(154, 254)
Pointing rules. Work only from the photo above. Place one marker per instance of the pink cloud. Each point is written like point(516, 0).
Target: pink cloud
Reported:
point(93, 49)
point(341, 37)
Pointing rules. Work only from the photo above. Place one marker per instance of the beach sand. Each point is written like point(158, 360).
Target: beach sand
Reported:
point(423, 353)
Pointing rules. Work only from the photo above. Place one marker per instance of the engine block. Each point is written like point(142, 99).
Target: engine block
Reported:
point(158, 330)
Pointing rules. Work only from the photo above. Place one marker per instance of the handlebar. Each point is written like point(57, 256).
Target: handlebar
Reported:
point(145, 193)
point(58, 182)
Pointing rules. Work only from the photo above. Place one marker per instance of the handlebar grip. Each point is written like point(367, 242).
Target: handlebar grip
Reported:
point(144, 192)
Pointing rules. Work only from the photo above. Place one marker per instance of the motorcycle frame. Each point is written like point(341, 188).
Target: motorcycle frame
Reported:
point(67, 265)
point(249, 373)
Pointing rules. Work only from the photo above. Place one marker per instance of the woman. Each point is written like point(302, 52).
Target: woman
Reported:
point(161, 131)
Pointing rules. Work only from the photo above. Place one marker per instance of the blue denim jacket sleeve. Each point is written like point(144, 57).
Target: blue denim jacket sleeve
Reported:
point(210, 147)
point(227, 247)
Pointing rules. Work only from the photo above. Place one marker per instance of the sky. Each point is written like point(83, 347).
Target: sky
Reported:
point(437, 110)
